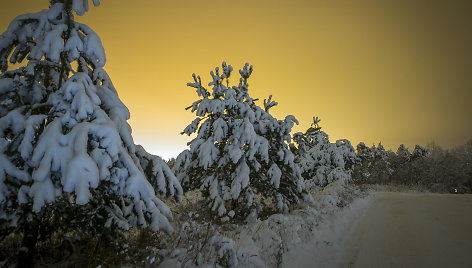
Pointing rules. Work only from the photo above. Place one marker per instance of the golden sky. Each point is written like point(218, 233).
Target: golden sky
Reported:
point(391, 71)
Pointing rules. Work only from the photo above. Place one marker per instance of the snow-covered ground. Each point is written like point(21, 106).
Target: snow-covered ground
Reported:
point(415, 230)
point(282, 240)
point(328, 245)
point(393, 230)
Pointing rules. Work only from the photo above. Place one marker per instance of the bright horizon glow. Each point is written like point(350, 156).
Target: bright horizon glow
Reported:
point(373, 71)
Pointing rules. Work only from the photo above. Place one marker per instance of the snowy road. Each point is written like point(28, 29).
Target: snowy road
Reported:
point(414, 230)
point(394, 230)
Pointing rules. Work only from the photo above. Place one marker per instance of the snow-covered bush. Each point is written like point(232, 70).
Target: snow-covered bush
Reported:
point(240, 155)
point(66, 151)
point(322, 162)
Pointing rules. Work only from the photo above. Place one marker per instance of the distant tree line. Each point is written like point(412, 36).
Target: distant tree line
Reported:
point(432, 168)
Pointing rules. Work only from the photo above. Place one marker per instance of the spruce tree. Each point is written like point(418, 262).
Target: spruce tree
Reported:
point(240, 158)
point(322, 162)
point(400, 164)
point(362, 172)
point(403, 154)
point(419, 152)
point(374, 164)
point(67, 157)
point(382, 164)
point(417, 166)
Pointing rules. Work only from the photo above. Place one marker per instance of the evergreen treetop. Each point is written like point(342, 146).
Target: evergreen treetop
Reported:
point(65, 146)
point(240, 151)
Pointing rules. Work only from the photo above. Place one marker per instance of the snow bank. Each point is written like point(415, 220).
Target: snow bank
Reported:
point(329, 244)
point(308, 236)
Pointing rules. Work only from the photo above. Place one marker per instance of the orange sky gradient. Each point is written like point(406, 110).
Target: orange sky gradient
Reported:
point(389, 71)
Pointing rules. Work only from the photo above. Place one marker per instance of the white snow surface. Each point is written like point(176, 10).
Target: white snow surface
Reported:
point(382, 229)
point(329, 246)
point(311, 233)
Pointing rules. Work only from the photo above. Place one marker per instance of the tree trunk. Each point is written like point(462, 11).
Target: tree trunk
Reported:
point(28, 245)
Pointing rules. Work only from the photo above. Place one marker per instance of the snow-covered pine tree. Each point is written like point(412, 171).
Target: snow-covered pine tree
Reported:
point(322, 162)
point(304, 141)
point(362, 172)
point(374, 165)
point(403, 154)
point(419, 152)
point(66, 151)
point(240, 157)
point(417, 167)
point(382, 166)
point(400, 164)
